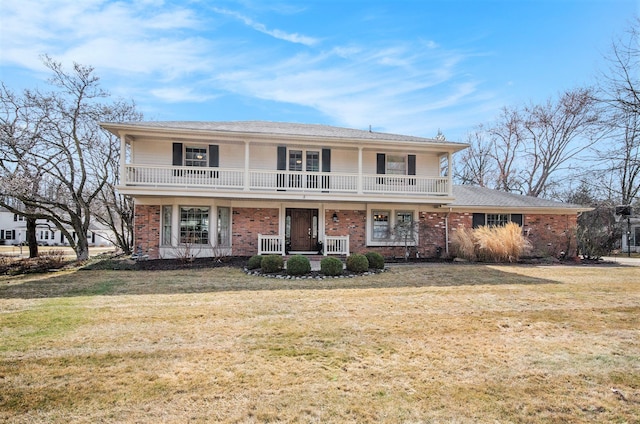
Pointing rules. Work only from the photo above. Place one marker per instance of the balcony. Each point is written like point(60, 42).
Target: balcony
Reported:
point(282, 183)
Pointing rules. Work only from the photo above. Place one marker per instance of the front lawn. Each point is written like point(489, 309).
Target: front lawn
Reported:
point(418, 343)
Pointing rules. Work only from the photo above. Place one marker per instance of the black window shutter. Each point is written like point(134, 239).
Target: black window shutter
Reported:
point(326, 160)
point(177, 154)
point(214, 155)
point(1, 234)
point(411, 168)
point(326, 167)
point(517, 218)
point(15, 216)
point(478, 220)
point(282, 158)
point(411, 165)
point(380, 163)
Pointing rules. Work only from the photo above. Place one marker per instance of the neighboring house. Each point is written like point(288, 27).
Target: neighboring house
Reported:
point(246, 188)
point(632, 230)
point(13, 231)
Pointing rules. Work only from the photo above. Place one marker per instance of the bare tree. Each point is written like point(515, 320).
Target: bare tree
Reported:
point(476, 165)
point(55, 159)
point(507, 140)
point(619, 94)
point(530, 149)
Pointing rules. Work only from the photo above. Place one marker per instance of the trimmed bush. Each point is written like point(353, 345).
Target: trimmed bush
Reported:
point(272, 263)
point(298, 265)
point(331, 266)
point(254, 262)
point(376, 261)
point(357, 263)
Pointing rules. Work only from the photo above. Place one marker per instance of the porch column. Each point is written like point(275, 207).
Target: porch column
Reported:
point(123, 159)
point(450, 173)
point(246, 166)
point(359, 170)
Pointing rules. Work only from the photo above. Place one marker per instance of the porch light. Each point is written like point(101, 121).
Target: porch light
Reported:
point(335, 217)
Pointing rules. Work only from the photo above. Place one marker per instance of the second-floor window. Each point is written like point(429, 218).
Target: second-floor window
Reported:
point(396, 165)
point(195, 156)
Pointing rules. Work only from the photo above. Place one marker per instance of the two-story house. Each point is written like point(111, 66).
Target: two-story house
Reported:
point(244, 188)
point(13, 231)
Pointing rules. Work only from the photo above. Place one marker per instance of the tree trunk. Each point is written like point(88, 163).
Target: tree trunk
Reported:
point(31, 237)
point(82, 247)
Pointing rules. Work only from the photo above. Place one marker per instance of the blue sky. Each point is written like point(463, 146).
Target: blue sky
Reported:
point(408, 67)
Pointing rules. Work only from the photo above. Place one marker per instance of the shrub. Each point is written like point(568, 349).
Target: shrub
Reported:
point(272, 263)
point(493, 244)
point(357, 263)
point(298, 265)
point(254, 262)
point(463, 244)
point(331, 266)
point(376, 261)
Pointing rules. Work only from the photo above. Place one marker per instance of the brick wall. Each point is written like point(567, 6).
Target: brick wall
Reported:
point(550, 235)
point(146, 223)
point(350, 222)
point(247, 224)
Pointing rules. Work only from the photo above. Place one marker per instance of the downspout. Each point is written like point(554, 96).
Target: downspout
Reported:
point(446, 232)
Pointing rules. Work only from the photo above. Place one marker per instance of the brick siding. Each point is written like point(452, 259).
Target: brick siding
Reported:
point(146, 224)
point(247, 224)
point(549, 234)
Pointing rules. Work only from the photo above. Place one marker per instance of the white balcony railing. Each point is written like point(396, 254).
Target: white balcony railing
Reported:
point(289, 181)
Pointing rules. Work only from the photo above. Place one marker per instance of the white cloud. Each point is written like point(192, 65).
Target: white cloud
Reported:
point(276, 33)
point(180, 94)
point(170, 54)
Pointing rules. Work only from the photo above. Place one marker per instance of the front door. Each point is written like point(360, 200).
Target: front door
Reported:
point(304, 229)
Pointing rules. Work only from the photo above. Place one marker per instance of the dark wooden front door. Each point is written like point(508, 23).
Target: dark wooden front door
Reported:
point(304, 229)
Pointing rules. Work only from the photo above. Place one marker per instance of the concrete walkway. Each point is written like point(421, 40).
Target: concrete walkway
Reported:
point(622, 260)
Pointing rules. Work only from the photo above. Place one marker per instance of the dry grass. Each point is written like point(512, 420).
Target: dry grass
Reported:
point(439, 343)
point(492, 244)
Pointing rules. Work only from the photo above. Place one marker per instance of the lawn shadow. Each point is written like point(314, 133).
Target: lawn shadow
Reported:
point(231, 279)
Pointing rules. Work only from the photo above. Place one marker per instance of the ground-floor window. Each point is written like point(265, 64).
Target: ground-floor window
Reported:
point(392, 226)
point(194, 225)
point(636, 241)
point(167, 212)
point(381, 225)
point(8, 234)
point(224, 227)
point(496, 219)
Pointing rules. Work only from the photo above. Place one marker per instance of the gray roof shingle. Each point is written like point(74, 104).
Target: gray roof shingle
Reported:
point(279, 128)
point(473, 196)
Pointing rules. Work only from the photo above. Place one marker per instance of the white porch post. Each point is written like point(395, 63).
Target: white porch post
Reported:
point(359, 170)
point(246, 166)
point(123, 158)
point(450, 173)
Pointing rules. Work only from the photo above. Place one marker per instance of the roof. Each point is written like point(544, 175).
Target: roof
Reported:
point(467, 196)
point(275, 128)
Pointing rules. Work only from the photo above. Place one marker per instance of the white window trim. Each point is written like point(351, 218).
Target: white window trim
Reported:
point(393, 212)
point(205, 160)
